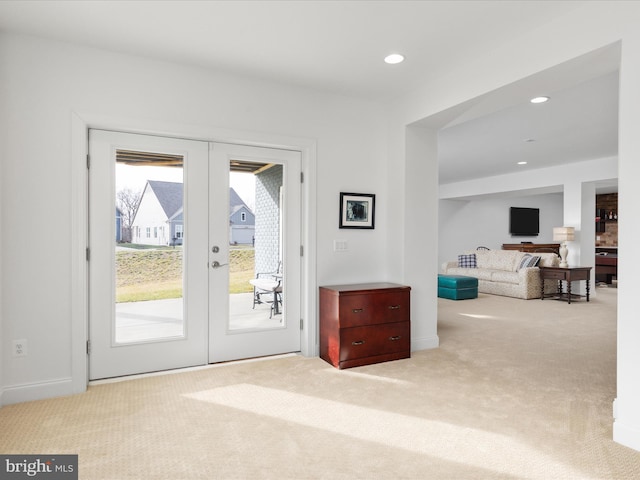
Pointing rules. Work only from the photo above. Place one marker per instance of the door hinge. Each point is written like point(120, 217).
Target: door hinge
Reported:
point(301, 177)
point(88, 347)
point(301, 250)
point(301, 324)
point(88, 254)
point(88, 162)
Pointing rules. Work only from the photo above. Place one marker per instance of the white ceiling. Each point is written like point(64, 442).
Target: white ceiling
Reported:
point(338, 47)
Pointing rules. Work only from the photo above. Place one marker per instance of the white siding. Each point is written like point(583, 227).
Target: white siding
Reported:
point(151, 216)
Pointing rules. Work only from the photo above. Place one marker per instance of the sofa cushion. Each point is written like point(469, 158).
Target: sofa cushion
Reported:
point(467, 261)
point(479, 273)
point(507, 260)
point(503, 276)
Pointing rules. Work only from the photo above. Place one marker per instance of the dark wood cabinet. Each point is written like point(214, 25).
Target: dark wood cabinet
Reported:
point(606, 265)
point(532, 247)
point(365, 323)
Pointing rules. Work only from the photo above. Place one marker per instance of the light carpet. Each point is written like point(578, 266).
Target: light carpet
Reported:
point(519, 389)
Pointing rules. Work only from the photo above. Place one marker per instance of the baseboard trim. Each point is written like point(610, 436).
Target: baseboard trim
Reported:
point(28, 392)
point(425, 343)
point(626, 435)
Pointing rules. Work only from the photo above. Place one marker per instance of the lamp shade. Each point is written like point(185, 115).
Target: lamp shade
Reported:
point(563, 234)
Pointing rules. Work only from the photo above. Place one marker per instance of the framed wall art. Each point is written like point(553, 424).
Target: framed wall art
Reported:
point(357, 210)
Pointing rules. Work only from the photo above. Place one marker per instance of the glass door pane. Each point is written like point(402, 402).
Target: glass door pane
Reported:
point(255, 265)
point(149, 246)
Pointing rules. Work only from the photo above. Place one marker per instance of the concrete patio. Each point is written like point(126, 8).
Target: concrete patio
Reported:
point(157, 319)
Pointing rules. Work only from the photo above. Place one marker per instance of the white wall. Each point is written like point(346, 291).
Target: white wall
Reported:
point(47, 84)
point(465, 225)
point(626, 428)
point(3, 344)
point(590, 26)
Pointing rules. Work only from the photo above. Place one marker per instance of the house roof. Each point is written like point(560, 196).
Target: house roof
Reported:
point(170, 195)
point(235, 202)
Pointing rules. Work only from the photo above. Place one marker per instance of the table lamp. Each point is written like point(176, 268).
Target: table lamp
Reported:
point(564, 235)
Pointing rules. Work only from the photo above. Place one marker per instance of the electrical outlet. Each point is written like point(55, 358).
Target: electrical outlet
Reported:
point(20, 348)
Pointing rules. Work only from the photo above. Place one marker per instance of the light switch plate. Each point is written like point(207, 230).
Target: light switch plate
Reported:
point(340, 246)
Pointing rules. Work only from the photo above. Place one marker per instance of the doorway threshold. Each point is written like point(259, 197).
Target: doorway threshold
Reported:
point(126, 378)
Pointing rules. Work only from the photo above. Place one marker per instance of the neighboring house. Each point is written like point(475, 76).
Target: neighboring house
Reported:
point(242, 221)
point(159, 219)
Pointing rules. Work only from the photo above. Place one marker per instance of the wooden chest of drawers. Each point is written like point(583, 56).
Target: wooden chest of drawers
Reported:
point(364, 323)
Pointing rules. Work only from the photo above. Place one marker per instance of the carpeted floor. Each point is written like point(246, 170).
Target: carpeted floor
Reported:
point(518, 389)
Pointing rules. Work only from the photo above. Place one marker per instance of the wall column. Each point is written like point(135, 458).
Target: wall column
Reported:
point(626, 427)
point(421, 234)
point(573, 218)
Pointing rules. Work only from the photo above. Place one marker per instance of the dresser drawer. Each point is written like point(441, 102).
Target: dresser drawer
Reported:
point(367, 309)
point(360, 342)
point(554, 275)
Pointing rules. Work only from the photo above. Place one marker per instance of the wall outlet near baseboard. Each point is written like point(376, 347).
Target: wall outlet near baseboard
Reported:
point(20, 348)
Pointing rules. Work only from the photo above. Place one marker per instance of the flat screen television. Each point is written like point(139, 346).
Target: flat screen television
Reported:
point(524, 222)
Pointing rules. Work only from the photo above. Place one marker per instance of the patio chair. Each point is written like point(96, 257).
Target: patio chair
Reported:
point(270, 284)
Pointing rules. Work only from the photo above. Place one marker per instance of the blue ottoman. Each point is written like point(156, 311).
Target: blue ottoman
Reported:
point(457, 287)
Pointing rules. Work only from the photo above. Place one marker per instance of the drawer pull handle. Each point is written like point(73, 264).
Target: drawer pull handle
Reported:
point(358, 310)
point(395, 337)
point(358, 342)
point(394, 307)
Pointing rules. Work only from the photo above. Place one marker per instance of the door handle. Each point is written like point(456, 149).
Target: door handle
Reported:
point(217, 264)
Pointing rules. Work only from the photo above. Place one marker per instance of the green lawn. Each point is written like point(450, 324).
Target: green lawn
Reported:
point(155, 274)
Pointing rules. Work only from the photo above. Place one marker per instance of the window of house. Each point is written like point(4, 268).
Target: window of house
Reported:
point(148, 232)
point(178, 231)
point(243, 216)
point(155, 232)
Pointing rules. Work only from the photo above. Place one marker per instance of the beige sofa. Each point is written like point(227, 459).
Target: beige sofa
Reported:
point(500, 272)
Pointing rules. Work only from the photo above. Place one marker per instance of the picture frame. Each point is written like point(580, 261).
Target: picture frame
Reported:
point(357, 210)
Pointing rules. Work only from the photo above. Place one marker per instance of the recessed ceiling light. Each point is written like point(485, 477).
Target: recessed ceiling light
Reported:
point(522, 163)
point(394, 58)
point(539, 99)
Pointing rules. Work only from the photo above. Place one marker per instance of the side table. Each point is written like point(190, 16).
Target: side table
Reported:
point(568, 274)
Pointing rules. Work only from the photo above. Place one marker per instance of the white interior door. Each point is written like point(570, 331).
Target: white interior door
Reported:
point(148, 253)
point(239, 327)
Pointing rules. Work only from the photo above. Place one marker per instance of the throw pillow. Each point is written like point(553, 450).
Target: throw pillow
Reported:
point(529, 261)
point(467, 261)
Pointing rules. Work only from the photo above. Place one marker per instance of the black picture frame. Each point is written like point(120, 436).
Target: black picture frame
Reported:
point(357, 210)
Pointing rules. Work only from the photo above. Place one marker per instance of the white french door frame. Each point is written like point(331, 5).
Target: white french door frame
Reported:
point(229, 344)
point(80, 125)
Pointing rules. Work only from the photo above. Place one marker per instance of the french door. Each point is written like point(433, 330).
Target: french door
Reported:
point(277, 254)
point(166, 231)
